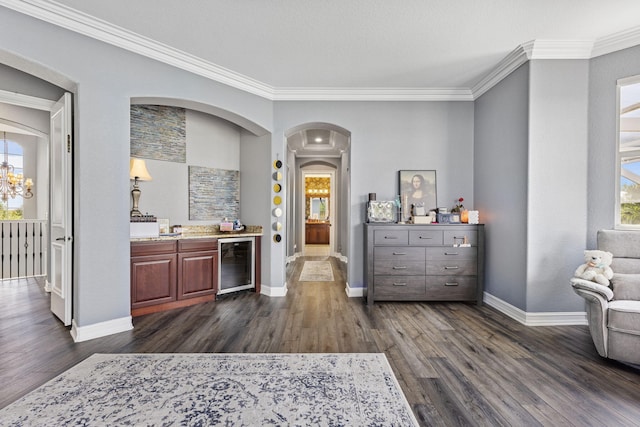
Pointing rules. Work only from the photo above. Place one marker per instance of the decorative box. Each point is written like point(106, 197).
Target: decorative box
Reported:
point(448, 218)
point(379, 211)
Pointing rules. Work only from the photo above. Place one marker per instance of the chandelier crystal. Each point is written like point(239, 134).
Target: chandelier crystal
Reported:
point(12, 184)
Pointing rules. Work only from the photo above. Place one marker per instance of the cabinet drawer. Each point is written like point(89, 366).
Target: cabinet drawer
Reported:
point(399, 253)
point(185, 245)
point(451, 288)
point(153, 247)
point(398, 268)
point(391, 237)
point(455, 237)
point(462, 267)
point(398, 287)
point(450, 253)
point(425, 237)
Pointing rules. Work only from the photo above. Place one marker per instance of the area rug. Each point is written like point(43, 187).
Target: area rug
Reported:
point(218, 389)
point(316, 271)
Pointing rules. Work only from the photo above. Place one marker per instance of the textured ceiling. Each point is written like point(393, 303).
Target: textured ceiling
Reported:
point(361, 43)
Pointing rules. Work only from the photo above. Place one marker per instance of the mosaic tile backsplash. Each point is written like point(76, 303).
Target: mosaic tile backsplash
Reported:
point(159, 132)
point(214, 194)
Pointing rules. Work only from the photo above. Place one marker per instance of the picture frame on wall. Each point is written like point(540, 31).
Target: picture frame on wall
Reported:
point(417, 188)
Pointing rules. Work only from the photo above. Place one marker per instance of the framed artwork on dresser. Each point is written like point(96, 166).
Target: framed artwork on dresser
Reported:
point(417, 187)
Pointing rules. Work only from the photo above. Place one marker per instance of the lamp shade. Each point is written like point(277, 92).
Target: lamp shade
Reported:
point(138, 169)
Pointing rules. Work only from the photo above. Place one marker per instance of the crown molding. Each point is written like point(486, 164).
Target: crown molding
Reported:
point(373, 94)
point(508, 65)
point(617, 41)
point(90, 26)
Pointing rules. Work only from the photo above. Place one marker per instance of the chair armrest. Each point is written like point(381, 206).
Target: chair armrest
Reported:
point(587, 285)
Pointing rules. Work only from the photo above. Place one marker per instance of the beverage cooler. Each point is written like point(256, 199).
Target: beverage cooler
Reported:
point(237, 264)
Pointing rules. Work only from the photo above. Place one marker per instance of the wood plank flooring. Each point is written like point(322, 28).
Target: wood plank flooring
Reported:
point(458, 364)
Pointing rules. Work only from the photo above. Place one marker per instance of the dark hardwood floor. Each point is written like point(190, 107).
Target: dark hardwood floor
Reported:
point(458, 364)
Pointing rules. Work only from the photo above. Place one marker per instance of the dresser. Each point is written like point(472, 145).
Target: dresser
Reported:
point(406, 262)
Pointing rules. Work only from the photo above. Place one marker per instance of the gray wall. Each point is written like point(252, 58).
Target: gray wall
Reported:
point(531, 174)
point(500, 183)
point(107, 79)
point(387, 137)
point(557, 177)
point(604, 71)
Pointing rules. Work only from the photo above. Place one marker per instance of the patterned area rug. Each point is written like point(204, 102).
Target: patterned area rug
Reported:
point(316, 271)
point(218, 389)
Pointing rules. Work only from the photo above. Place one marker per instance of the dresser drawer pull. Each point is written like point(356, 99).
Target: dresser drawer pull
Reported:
point(451, 253)
point(452, 268)
point(399, 267)
point(425, 238)
point(451, 284)
point(399, 284)
point(399, 253)
point(390, 237)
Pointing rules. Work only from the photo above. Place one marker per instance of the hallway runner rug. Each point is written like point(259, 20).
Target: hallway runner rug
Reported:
point(218, 389)
point(316, 271)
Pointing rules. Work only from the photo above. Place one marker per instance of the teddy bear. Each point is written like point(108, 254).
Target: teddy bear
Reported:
point(596, 267)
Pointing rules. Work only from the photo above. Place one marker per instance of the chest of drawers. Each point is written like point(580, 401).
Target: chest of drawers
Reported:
point(423, 262)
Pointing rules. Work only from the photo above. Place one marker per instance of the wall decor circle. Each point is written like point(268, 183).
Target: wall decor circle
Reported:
point(277, 238)
point(277, 164)
point(277, 188)
point(277, 200)
point(277, 212)
point(277, 226)
point(277, 176)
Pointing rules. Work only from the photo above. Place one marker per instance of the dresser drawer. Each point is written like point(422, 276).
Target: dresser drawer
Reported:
point(398, 268)
point(399, 253)
point(463, 267)
point(391, 237)
point(425, 237)
point(399, 287)
point(449, 253)
point(455, 237)
point(451, 288)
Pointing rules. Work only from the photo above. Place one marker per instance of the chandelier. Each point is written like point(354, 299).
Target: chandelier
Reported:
point(12, 184)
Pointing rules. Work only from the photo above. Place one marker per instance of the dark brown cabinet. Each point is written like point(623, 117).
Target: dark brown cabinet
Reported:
point(317, 233)
point(197, 268)
point(171, 274)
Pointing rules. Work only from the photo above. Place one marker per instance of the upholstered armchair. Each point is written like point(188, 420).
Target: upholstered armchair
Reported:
point(613, 312)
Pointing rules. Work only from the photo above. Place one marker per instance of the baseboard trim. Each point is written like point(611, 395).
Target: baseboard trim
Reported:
point(536, 319)
point(102, 329)
point(353, 292)
point(273, 291)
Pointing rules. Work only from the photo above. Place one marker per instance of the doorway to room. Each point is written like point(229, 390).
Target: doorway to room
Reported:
point(318, 212)
point(318, 192)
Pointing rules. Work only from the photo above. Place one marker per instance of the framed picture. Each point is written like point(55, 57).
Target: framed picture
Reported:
point(417, 188)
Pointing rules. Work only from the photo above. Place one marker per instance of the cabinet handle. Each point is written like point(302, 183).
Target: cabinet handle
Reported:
point(399, 284)
point(451, 283)
point(399, 253)
point(452, 268)
point(399, 268)
point(425, 238)
point(451, 253)
point(390, 237)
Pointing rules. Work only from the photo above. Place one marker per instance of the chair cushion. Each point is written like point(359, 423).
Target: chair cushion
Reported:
point(626, 286)
point(624, 316)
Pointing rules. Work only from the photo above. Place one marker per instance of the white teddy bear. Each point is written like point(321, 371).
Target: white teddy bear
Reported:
point(596, 267)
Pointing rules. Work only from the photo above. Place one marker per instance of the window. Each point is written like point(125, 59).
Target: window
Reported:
point(12, 208)
point(628, 203)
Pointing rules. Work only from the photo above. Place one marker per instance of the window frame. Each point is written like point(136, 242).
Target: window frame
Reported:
point(618, 219)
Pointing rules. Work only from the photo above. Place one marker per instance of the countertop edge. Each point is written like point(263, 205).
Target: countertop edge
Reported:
point(221, 235)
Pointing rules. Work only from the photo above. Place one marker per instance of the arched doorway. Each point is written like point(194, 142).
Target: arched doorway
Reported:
point(318, 150)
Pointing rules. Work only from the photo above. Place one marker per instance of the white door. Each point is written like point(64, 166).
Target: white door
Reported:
point(61, 209)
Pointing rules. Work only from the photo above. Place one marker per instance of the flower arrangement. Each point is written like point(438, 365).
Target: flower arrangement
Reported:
point(458, 206)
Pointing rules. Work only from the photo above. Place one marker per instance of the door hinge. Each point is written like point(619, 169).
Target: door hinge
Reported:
point(68, 143)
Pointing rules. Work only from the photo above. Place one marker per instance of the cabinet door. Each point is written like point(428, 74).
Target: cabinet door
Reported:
point(197, 274)
point(153, 279)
